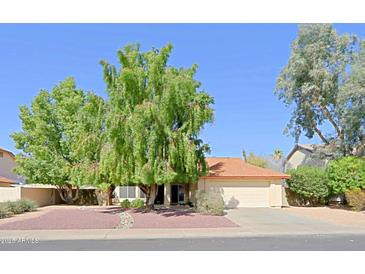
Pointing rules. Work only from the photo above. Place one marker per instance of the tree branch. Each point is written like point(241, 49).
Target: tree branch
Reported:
point(332, 121)
point(321, 135)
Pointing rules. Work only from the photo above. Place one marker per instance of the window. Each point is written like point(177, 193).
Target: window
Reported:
point(141, 194)
point(127, 192)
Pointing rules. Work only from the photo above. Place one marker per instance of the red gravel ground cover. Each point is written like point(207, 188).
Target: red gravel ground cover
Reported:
point(108, 218)
point(177, 219)
point(74, 218)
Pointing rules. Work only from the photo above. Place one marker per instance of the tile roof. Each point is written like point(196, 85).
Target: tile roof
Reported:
point(8, 151)
point(6, 180)
point(222, 167)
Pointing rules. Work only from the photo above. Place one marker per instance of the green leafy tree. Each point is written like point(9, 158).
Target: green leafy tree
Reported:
point(346, 173)
point(49, 139)
point(312, 80)
point(256, 160)
point(352, 102)
point(90, 141)
point(155, 115)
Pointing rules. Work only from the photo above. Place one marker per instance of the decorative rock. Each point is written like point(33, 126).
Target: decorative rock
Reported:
point(126, 221)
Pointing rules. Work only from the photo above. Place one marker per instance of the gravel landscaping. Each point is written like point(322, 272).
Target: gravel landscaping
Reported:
point(174, 218)
point(67, 218)
point(88, 217)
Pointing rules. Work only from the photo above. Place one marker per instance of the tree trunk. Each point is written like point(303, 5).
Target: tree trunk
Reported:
point(67, 195)
point(151, 194)
point(321, 135)
point(110, 194)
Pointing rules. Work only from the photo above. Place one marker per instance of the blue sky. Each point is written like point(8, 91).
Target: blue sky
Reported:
point(238, 66)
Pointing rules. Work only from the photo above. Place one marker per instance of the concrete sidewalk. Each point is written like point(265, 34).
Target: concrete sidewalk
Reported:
point(163, 233)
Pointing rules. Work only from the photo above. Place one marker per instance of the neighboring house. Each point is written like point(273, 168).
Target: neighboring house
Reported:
point(303, 154)
point(241, 185)
point(7, 163)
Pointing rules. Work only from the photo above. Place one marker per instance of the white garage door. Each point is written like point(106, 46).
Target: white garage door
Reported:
point(242, 194)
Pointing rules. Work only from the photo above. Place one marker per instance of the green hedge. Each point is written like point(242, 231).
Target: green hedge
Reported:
point(346, 173)
point(310, 184)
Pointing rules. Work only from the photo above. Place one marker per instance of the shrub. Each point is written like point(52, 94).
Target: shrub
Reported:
point(27, 205)
point(209, 203)
point(125, 204)
point(346, 173)
point(20, 206)
point(356, 199)
point(310, 186)
point(4, 211)
point(15, 207)
point(137, 203)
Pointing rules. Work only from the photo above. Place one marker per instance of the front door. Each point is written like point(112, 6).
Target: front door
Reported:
point(177, 194)
point(160, 195)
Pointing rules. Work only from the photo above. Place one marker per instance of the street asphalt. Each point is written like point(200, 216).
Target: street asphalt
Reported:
point(263, 243)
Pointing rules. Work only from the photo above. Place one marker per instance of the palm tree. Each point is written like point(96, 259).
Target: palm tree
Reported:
point(278, 154)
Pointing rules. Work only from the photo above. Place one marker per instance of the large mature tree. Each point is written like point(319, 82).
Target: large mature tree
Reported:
point(312, 80)
point(352, 104)
point(50, 138)
point(155, 115)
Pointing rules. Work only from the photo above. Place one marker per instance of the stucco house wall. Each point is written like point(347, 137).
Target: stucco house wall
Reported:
point(41, 195)
point(296, 159)
point(245, 193)
point(7, 164)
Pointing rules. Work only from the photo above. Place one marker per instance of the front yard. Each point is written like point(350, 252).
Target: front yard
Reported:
point(92, 217)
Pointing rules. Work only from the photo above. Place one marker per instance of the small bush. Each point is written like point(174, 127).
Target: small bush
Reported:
point(125, 204)
point(310, 186)
point(209, 203)
point(137, 203)
point(27, 205)
point(15, 207)
point(4, 211)
point(356, 199)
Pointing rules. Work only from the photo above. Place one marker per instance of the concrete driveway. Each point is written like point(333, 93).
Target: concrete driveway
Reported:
point(297, 220)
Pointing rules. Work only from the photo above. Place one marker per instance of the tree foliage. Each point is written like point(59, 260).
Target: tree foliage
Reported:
point(313, 81)
point(146, 133)
point(352, 102)
point(310, 183)
point(346, 173)
point(256, 160)
point(53, 150)
point(155, 115)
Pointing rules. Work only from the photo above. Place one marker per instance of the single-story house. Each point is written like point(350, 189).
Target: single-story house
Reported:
point(241, 185)
point(6, 182)
point(7, 163)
